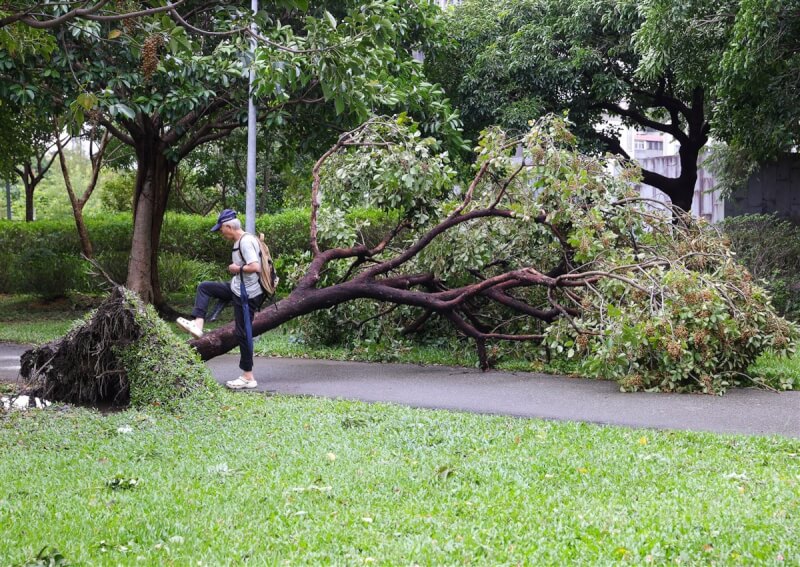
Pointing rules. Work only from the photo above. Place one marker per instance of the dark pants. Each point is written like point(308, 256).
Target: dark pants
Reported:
point(222, 292)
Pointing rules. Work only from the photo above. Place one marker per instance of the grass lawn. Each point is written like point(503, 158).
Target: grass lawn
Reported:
point(291, 480)
point(273, 480)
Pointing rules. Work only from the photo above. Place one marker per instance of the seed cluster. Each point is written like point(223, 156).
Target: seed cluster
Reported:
point(149, 61)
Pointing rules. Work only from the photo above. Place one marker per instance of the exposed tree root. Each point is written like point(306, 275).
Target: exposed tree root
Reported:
point(121, 355)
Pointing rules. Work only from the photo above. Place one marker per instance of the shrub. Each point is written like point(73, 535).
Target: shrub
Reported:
point(115, 264)
point(189, 251)
point(8, 283)
point(769, 246)
point(179, 274)
point(48, 274)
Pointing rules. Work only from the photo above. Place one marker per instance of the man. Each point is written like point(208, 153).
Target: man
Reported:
point(245, 263)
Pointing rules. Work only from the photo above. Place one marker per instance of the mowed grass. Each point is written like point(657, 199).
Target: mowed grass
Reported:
point(27, 320)
point(282, 480)
point(286, 345)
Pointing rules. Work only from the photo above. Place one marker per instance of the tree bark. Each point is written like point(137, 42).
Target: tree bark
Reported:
point(29, 187)
point(679, 189)
point(692, 136)
point(83, 232)
point(31, 177)
point(149, 206)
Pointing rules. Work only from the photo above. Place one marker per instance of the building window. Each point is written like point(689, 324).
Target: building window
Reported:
point(639, 145)
point(654, 145)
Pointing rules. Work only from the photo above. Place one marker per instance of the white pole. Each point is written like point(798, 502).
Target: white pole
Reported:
point(250, 196)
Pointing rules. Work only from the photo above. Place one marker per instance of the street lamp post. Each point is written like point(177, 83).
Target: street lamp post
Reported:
point(250, 195)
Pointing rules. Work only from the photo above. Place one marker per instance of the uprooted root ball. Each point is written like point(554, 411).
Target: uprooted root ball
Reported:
point(122, 354)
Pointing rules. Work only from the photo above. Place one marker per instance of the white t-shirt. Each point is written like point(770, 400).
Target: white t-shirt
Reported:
point(247, 247)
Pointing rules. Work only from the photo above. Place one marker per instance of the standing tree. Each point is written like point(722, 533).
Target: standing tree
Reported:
point(25, 147)
point(79, 202)
point(757, 114)
point(166, 84)
point(510, 60)
point(32, 170)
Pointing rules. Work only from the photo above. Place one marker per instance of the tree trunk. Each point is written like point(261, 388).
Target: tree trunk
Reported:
point(83, 233)
point(30, 179)
point(76, 202)
point(150, 198)
point(30, 185)
point(159, 210)
point(679, 189)
point(298, 303)
point(29, 214)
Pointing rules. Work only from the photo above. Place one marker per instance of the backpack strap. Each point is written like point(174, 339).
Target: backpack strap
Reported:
point(239, 249)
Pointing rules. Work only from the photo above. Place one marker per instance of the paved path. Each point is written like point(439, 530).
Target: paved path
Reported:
point(510, 393)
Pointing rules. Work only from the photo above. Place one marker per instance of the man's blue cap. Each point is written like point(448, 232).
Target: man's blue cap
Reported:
point(225, 216)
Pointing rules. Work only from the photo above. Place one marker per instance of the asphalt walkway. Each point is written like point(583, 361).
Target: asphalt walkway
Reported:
point(522, 394)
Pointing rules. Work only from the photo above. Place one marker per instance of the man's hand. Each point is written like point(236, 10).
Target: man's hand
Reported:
point(248, 268)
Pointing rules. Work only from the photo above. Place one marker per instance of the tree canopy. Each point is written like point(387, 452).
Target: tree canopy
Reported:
point(509, 61)
point(746, 53)
point(169, 82)
point(760, 79)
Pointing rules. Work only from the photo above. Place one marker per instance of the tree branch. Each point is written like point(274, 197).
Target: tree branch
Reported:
point(89, 13)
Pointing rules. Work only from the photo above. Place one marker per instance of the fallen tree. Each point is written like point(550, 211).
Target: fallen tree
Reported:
point(547, 247)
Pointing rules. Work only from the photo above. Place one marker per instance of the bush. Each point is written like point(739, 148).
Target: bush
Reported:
point(8, 283)
point(189, 251)
point(769, 247)
point(48, 274)
point(179, 274)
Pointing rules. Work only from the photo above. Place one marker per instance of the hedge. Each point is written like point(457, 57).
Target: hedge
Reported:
point(769, 246)
point(43, 257)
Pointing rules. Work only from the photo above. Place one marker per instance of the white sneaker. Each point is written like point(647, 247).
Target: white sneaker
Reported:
point(241, 384)
point(189, 326)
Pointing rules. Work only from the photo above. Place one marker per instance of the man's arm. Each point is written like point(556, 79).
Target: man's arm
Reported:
point(250, 254)
point(247, 268)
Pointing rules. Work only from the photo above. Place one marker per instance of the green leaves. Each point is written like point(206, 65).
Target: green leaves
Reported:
point(331, 19)
point(401, 172)
point(87, 100)
point(121, 110)
point(361, 62)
